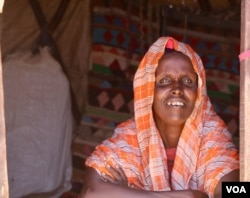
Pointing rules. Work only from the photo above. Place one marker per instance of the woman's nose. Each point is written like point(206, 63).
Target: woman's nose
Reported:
point(177, 89)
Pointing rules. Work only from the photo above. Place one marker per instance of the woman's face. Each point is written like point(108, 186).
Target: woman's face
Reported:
point(175, 89)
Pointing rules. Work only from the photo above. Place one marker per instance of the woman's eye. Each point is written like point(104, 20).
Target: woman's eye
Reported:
point(165, 81)
point(187, 81)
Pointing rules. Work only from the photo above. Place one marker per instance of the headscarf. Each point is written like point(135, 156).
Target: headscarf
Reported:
point(205, 151)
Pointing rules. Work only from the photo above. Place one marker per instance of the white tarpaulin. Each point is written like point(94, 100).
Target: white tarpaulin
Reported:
point(38, 124)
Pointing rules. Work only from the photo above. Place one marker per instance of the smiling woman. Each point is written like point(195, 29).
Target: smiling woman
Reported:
point(176, 145)
point(174, 95)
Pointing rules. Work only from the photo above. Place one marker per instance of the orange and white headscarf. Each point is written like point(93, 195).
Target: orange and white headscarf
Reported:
point(205, 151)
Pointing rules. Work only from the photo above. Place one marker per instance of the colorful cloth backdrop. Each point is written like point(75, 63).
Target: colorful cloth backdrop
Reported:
point(120, 37)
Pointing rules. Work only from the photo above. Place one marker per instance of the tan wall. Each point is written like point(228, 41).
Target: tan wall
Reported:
point(20, 31)
point(72, 36)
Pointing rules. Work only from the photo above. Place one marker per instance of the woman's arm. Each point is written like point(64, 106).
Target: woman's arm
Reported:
point(232, 176)
point(97, 188)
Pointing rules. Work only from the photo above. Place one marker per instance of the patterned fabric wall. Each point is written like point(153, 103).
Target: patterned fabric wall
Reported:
point(117, 52)
point(223, 75)
point(119, 42)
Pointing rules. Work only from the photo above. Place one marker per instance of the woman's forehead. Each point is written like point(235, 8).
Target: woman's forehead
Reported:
point(175, 61)
point(174, 53)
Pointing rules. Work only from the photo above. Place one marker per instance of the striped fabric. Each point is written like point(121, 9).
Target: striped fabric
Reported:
point(205, 150)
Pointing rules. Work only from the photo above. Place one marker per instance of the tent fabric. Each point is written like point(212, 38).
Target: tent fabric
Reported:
point(38, 125)
point(20, 31)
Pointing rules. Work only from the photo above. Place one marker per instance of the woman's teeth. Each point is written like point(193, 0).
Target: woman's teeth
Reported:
point(175, 103)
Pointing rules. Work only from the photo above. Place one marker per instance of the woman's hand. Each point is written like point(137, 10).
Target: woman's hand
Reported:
point(118, 176)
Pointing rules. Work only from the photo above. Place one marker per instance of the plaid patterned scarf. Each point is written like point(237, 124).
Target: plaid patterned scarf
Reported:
point(205, 151)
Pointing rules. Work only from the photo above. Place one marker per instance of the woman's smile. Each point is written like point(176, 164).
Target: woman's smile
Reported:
point(176, 103)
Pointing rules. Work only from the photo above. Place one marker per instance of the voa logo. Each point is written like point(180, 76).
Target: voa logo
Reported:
point(236, 189)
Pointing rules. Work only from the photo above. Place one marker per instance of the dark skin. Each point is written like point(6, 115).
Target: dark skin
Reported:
point(174, 100)
point(106, 187)
point(174, 96)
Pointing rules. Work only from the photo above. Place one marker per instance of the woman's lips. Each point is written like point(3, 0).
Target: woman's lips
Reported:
point(176, 102)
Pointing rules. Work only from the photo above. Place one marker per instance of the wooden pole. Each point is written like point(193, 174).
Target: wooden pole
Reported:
point(245, 94)
point(4, 190)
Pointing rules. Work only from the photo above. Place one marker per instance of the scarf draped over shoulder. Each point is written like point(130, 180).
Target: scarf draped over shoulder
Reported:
point(205, 151)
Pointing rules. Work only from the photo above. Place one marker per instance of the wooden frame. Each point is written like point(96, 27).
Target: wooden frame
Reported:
point(245, 94)
point(4, 190)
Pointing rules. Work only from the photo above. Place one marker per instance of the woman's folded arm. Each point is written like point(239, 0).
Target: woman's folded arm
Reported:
point(96, 187)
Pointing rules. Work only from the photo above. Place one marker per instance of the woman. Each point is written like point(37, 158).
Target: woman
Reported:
point(176, 145)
